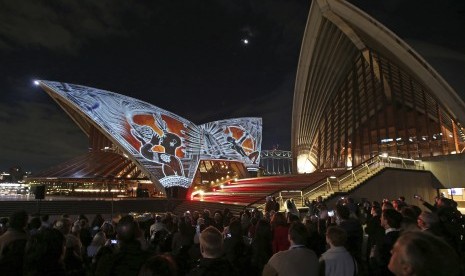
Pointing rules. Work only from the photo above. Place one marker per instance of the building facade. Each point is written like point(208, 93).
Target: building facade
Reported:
point(361, 91)
point(131, 140)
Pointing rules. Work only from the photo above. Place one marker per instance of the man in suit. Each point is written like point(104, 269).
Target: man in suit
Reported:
point(390, 221)
point(297, 260)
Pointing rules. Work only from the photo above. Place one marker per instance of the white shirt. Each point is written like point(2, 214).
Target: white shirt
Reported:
point(338, 262)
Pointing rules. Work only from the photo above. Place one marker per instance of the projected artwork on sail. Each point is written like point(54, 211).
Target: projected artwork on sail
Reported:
point(166, 145)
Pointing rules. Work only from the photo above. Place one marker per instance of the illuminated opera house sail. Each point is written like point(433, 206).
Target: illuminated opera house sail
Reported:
point(132, 139)
point(361, 91)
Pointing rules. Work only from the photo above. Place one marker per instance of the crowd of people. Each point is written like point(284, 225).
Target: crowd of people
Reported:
point(400, 239)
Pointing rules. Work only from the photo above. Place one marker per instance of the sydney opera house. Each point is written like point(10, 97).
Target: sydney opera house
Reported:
point(360, 93)
point(133, 144)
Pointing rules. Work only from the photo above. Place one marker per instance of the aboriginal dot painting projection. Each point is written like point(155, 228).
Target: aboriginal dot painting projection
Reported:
point(163, 145)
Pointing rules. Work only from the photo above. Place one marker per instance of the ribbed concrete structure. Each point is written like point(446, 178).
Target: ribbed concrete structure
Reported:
point(361, 91)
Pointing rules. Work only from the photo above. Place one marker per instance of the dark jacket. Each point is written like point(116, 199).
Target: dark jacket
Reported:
point(126, 261)
point(385, 251)
point(213, 267)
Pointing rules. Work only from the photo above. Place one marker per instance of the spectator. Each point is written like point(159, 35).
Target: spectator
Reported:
point(390, 221)
point(227, 216)
point(159, 265)
point(45, 222)
point(420, 253)
point(337, 260)
point(74, 264)
point(3, 225)
point(310, 205)
point(350, 203)
point(12, 244)
point(34, 226)
point(96, 223)
point(218, 221)
point(280, 230)
point(157, 226)
point(211, 248)
point(195, 217)
point(409, 219)
point(375, 233)
point(252, 227)
point(316, 241)
point(44, 254)
point(397, 205)
point(386, 205)
point(276, 204)
point(85, 233)
point(291, 207)
point(353, 229)
point(76, 229)
point(269, 204)
point(183, 238)
point(98, 241)
point(402, 201)
point(260, 247)
point(63, 225)
point(198, 229)
point(297, 260)
point(450, 219)
point(16, 230)
point(128, 259)
point(245, 223)
point(207, 218)
point(429, 222)
point(235, 248)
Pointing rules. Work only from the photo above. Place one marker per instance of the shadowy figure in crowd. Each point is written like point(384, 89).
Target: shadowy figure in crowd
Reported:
point(44, 254)
point(451, 221)
point(354, 231)
point(12, 244)
point(375, 233)
point(235, 249)
point(260, 248)
point(128, 257)
point(159, 265)
point(390, 221)
point(316, 240)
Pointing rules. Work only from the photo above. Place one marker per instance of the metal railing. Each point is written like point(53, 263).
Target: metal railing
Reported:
point(370, 167)
point(349, 179)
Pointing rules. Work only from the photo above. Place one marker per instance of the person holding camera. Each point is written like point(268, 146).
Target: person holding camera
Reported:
point(129, 256)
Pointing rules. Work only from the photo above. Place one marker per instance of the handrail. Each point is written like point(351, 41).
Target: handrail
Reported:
point(352, 175)
point(366, 168)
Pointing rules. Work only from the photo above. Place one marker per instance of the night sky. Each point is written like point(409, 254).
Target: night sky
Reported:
point(186, 56)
